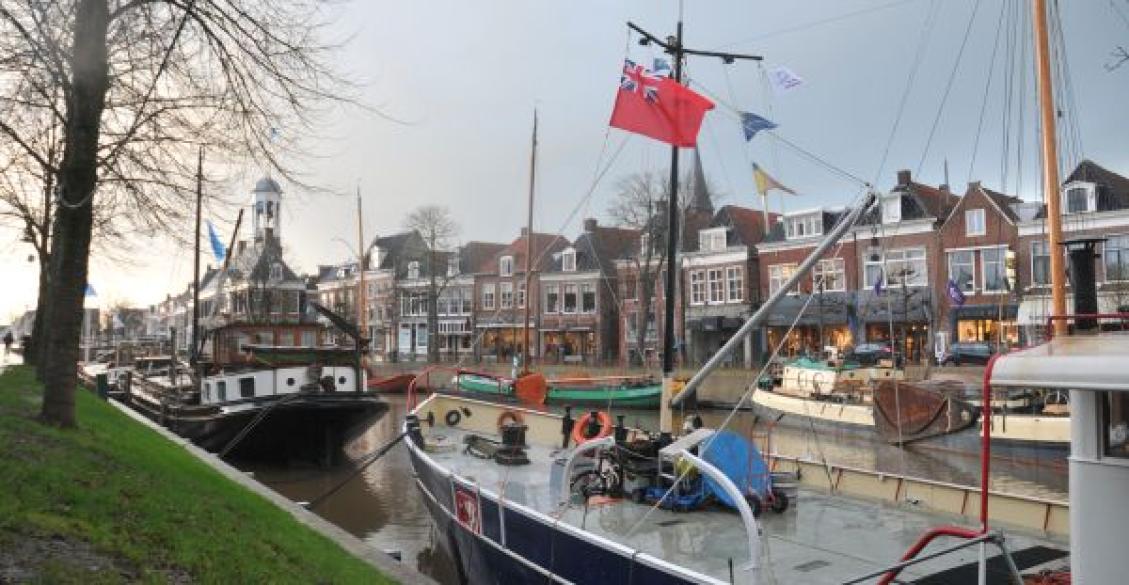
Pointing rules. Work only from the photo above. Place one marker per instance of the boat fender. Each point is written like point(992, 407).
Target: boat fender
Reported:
point(586, 430)
point(509, 416)
point(466, 412)
point(452, 418)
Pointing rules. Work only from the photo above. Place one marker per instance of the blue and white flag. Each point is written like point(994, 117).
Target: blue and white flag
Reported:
point(90, 291)
point(662, 67)
point(955, 294)
point(752, 123)
point(783, 79)
point(218, 249)
point(878, 284)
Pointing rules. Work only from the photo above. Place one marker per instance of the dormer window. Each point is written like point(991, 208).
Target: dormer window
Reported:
point(413, 269)
point(892, 208)
point(803, 226)
point(506, 266)
point(1080, 198)
point(276, 271)
point(711, 240)
point(568, 260)
point(453, 265)
point(644, 244)
point(376, 257)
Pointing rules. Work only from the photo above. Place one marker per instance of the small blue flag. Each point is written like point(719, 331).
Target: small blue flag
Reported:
point(90, 291)
point(955, 294)
point(753, 123)
point(662, 67)
point(878, 283)
point(218, 249)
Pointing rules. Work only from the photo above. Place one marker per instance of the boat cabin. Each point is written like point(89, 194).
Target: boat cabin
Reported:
point(230, 344)
point(1093, 369)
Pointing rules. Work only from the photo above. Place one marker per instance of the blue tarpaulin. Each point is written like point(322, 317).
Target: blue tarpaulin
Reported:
point(740, 461)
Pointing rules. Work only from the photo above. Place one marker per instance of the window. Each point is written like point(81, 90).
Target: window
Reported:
point(453, 265)
point(1117, 258)
point(247, 387)
point(1040, 264)
point(1115, 418)
point(413, 269)
point(488, 296)
point(568, 260)
point(892, 209)
point(778, 274)
point(308, 339)
point(506, 292)
point(207, 392)
point(630, 288)
point(906, 266)
point(833, 273)
point(992, 269)
point(803, 226)
point(588, 298)
point(734, 284)
point(711, 240)
point(962, 267)
point(1078, 200)
point(276, 271)
point(570, 298)
point(221, 390)
point(644, 245)
point(552, 299)
point(697, 287)
point(521, 294)
point(716, 285)
point(506, 266)
point(974, 222)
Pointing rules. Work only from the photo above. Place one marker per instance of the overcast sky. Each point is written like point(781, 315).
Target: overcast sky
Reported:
point(464, 77)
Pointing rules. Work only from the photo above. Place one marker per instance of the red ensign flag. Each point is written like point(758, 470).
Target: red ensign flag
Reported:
point(658, 107)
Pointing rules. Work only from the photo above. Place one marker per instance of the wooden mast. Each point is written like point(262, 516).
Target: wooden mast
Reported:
point(1050, 164)
point(192, 353)
point(529, 248)
point(362, 309)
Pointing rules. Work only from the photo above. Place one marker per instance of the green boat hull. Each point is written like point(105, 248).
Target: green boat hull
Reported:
point(622, 396)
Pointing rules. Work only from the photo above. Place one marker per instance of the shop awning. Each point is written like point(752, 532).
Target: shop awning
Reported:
point(714, 324)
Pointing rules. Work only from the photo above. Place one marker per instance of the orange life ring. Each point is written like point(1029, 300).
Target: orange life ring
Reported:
point(511, 415)
point(581, 425)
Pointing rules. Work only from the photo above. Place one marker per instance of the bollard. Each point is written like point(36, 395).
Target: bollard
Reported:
point(102, 385)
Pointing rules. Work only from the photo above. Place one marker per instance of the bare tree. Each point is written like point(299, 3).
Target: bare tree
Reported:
point(140, 84)
point(438, 229)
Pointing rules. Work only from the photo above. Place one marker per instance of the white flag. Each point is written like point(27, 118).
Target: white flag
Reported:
point(783, 79)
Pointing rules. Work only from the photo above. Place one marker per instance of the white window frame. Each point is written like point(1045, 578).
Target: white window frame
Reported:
point(413, 270)
point(519, 295)
point(488, 297)
point(506, 266)
point(1046, 253)
point(697, 287)
point(568, 260)
point(1121, 252)
point(1091, 197)
point(715, 285)
point(453, 265)
point(506, 295)
point(712, 240)
point(552, 305)
point(1002, 261)
point(734, 284)
point(921, 280)
point(833, 270)
point(778, 274)
point(575, 292)
point(975, 222)
point(587, 288)
point(971, 264)
point(803, 226)
point(892, 208)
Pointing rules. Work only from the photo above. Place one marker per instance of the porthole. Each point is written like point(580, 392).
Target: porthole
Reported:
point(341, 380)
point(290, 381)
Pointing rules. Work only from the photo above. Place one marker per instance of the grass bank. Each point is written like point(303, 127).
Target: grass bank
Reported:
point(112, 501)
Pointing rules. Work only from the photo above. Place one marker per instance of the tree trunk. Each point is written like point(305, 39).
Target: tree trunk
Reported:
point(32, 355)
point(643, 317)
point(78, 177)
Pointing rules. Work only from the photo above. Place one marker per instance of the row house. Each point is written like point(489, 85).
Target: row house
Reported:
point(875, 285)
point(1094, 204)
point(579, 320)
point(501, 296)
point(722, 280)
point(391, 260)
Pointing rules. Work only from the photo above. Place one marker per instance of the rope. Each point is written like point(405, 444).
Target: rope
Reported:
point(365, 462)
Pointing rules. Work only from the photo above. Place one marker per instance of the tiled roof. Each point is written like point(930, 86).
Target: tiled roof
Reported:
point(473, 255)
point(544, 246)
point(747, 224)
point(1113, 189)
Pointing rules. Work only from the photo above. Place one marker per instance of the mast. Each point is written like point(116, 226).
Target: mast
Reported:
point(529, 247)
point(362, 309)
point(1050, 164)
point(193, 353)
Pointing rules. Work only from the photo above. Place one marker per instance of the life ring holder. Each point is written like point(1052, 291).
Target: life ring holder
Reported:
point(581, 425)
point(510, 416)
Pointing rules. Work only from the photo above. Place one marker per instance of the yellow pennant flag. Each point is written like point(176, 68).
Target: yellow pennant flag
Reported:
point(765, 182)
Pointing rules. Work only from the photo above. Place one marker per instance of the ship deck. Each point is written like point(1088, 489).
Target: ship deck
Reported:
point(822, 538)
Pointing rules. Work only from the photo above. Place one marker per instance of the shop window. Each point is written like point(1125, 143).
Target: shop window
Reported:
point(993, 274)
point(716, 285)
point(507, 294)
point(735, 284)
point(1117, 258)
point(833, 274)
point(570, 298)
point(974, 224)
point(778, 275)
point(552, 299)
point(588, 298)
point(697, 287)
point(962, 267)
point(1115, 415)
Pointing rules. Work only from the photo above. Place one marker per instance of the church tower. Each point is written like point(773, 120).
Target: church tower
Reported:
point(266, 201)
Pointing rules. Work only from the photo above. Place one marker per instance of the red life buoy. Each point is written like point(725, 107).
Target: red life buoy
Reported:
point(508, 416)
point(581, 426)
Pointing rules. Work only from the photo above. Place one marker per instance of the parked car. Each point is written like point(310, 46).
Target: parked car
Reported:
point(869, 354)
point(967, 354)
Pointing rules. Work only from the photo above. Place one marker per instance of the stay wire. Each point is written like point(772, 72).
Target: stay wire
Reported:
point(987, 90)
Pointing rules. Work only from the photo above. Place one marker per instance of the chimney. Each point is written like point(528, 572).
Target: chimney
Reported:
point(590, 224)
point(1083, 279)
point(904, 177)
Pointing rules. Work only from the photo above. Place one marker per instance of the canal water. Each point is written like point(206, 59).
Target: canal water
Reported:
point(383, 507)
